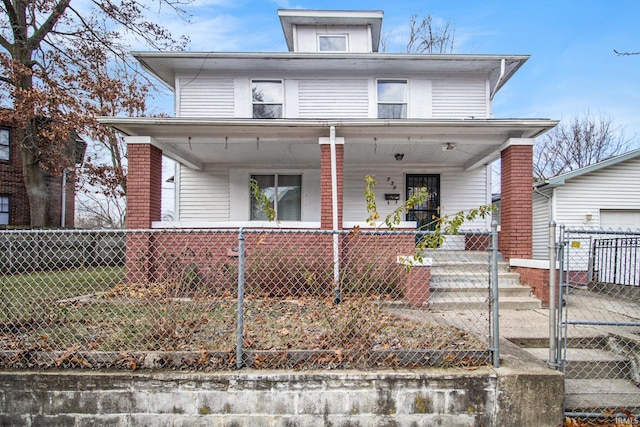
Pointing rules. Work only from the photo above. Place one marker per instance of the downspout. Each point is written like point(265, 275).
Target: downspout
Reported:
point(500, 77)
point(334, 214)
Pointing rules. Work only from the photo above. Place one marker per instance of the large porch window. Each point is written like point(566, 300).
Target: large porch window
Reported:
point(392, 99)
point(267, 99)
point(284, 192)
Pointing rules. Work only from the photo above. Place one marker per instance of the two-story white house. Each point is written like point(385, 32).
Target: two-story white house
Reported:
point(309, 124)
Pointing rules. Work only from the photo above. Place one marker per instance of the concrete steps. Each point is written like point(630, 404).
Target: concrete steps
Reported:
point(597, 379)
point(460, 280)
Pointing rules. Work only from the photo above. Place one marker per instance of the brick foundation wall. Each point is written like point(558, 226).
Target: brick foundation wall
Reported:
point(516, 217)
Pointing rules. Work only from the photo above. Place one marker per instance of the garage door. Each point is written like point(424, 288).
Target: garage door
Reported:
point(620, 219)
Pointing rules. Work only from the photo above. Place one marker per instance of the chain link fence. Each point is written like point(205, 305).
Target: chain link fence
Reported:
point(226, 299)
point(600, 321)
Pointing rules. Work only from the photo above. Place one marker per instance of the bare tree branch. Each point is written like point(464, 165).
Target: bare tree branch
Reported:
point(580, 142)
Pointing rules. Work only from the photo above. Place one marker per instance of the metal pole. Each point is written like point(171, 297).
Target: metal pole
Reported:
point(552, 295)
point(562, 291)
point(495, 294)
point(240, 321)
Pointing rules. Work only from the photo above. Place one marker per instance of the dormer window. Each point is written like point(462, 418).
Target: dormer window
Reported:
point(392, 99)
point(332, 43)
point(267, 99)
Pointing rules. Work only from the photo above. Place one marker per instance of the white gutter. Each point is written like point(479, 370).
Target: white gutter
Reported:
point(334, 211)
point(503, 63)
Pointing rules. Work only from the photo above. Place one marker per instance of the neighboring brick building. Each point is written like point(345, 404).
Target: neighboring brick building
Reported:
point(14, 203)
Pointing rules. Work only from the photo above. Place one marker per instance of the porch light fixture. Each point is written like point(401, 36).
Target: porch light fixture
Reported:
point(588, 217)
point(449, 146)
point(399, 156)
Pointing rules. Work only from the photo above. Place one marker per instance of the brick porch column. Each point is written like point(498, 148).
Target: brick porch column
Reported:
point(144, 183)
point(144, 193)
point(516, 218)
point(326, 205)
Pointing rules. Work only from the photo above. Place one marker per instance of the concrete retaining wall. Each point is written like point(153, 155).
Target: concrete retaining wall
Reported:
point(452, 397)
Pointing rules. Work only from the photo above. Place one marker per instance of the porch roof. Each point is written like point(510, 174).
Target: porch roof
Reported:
point(294, 142)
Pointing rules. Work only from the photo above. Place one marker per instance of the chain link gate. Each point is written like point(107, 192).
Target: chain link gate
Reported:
point(599, 322)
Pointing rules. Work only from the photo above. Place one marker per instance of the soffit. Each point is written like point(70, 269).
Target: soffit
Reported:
point(166, 65)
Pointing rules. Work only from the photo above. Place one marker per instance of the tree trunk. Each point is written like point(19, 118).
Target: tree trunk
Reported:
point(38, 191)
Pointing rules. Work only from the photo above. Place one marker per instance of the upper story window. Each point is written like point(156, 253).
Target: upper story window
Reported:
point(332, 43)
point(267, 99)
point(284, 193)
point(4, 210)
point(5, 143)
point(392, 99)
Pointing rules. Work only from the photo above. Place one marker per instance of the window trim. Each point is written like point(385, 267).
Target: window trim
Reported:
point(254, 103)
point(8, 211)
point(276, 185)
point(8, 130)
point(406, 97)
point(328, 35)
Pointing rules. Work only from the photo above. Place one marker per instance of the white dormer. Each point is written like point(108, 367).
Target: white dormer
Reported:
point(331, 31)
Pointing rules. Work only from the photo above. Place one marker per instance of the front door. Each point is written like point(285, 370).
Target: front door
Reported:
point(426, 213)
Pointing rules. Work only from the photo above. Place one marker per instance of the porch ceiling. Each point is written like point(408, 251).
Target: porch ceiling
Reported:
point(196, 142)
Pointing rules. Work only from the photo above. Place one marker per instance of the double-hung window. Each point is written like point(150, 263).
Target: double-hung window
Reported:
point(332, 43)
point(392, 99)
point(267, 99)
point(5, 142)
point(4, 210)
point(283, 192)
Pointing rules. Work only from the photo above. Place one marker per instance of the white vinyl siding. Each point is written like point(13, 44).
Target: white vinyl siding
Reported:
point(203, 195)
point(333, 98)
point(540, 226)
point(459, 99)
point(206, 97)
point(463, 190)
point(611, 188)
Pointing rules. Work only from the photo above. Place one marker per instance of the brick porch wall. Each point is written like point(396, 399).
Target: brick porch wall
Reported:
point(538, 280)
point(516, 217)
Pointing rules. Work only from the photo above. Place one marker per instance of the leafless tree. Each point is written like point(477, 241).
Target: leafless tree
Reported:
point(425, 36)
point(580, 142)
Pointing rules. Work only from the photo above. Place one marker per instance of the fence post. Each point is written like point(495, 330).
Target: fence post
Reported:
point(552, 295)
point(240, 318)
point(563, 288)
point(495, 294)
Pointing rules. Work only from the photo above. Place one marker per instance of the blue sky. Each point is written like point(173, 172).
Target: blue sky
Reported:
point(572, 70)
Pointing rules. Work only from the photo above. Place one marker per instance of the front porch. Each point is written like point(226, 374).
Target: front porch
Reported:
point(218, 157)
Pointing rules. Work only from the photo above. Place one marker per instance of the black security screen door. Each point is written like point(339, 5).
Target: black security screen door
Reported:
point(429, 211)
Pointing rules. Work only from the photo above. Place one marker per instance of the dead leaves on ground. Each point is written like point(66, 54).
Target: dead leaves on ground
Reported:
point(618, 418)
